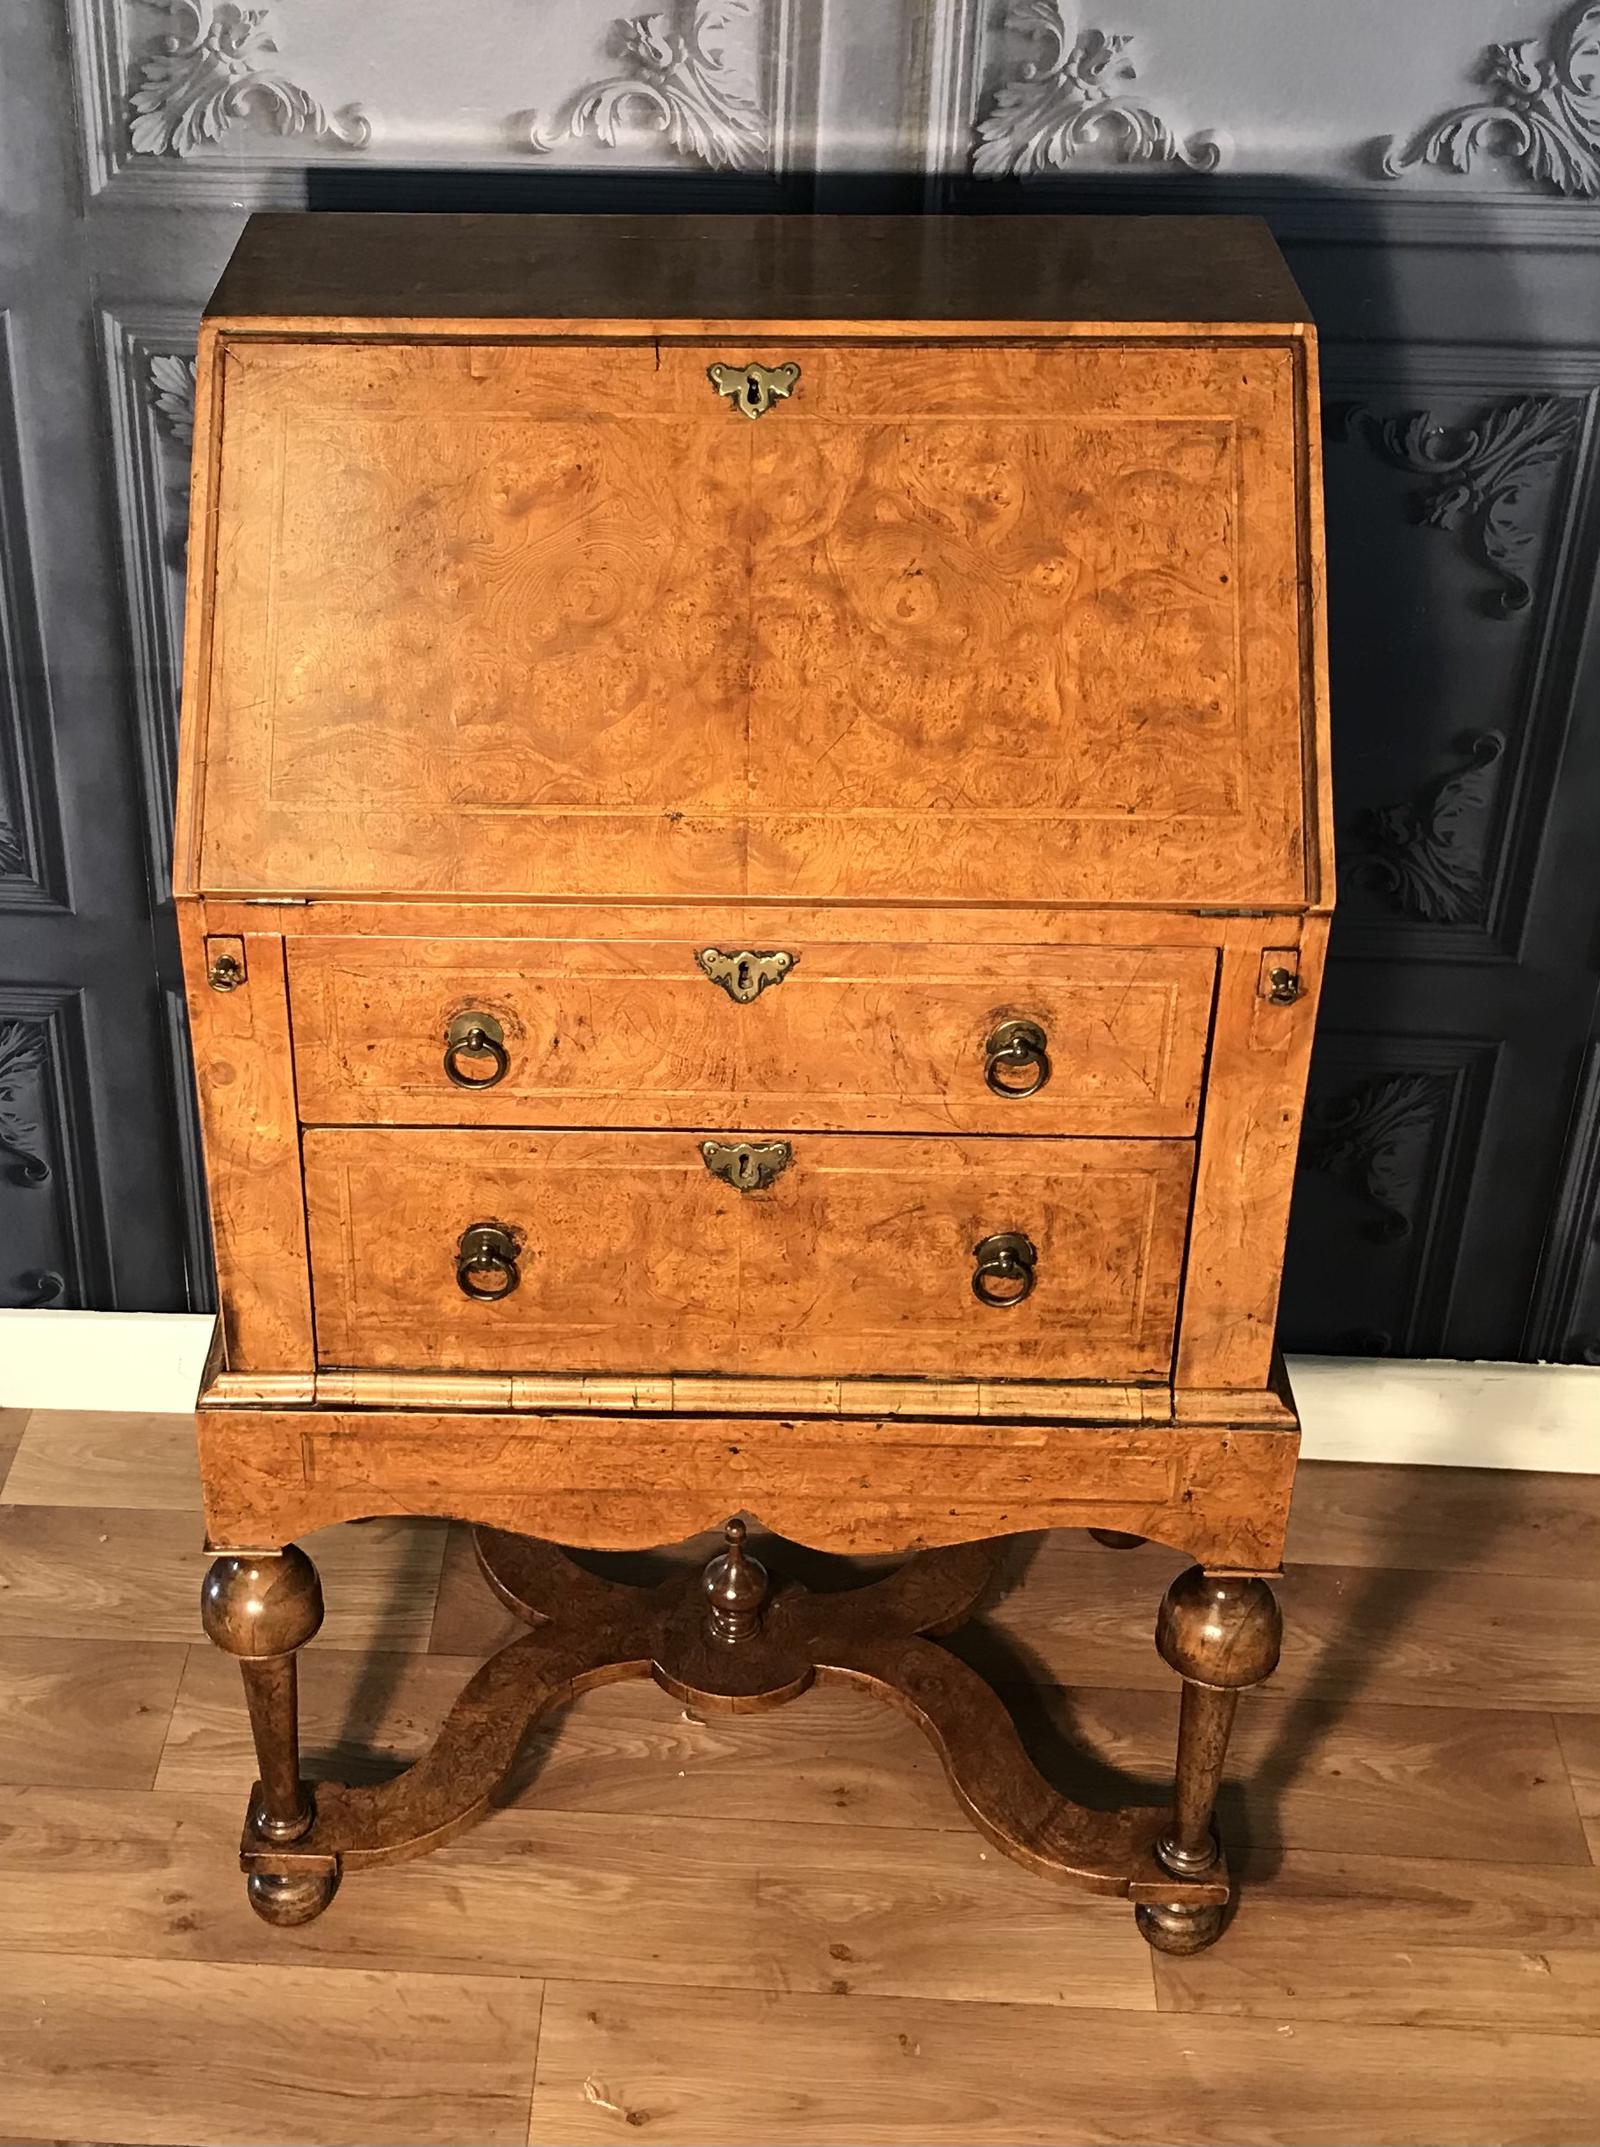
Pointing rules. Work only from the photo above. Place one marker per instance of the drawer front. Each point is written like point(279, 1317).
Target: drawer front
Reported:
point(633, 1255)
point(949, 622)
point(1085, 1040)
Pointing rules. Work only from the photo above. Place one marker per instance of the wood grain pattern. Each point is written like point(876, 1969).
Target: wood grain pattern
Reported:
point(71, 1457)
point(636, 1257)
point(853, 1039)
point(339, 2055)
point(997, 275)
point(1445, 1520)
point(854, 1484)
point(81, 1572)
point(85, 1713)
point(1415, 1961)
point(1580, 1749)
point(244, 1072)
point(1505, 1946)
point(825, 2076)
point(1255, 1092)
point(924, 561)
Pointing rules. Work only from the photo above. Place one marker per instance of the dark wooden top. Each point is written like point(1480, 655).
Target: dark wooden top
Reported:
point(1210, 270)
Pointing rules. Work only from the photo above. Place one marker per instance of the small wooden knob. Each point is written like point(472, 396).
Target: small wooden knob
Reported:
point(735, 1589)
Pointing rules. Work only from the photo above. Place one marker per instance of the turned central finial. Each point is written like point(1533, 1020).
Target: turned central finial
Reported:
point(735, 1588)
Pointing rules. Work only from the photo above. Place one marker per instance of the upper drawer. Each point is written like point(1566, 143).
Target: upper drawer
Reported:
point(949, 622)
point(596, 1032)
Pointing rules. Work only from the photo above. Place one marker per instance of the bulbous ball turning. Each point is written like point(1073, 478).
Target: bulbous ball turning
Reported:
point(254, 1606)
point(1219, 1629)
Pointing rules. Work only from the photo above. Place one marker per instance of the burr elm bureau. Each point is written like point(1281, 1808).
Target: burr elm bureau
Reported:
point(753, 860)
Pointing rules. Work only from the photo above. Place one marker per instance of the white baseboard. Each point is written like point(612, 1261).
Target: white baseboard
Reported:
point(149, 1362)
point(1435, 1411)
point(1424, 1410)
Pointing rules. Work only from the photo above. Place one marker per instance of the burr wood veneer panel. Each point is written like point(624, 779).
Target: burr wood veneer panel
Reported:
point(951, 622)
point(858, 1258)
point(858, 1038)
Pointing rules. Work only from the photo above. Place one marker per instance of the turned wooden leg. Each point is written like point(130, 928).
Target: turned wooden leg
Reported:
point(261, 1608)
point(1220, 1634)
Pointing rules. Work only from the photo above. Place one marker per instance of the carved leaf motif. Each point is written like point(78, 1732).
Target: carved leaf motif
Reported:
point(1375, 1138)
point(1074, 100)
point(1489, 479)
point(1428, 854)
point(21, 1065)
point(1543, 110)
point(212, 74)
point(675, 80)
point(172, 392)
point(13, 855)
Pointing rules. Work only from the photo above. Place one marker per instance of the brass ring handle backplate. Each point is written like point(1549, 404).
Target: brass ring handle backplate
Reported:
point(1004, 1273)
point(475, 1036)
point(486, 1262)
point(1017, 1059)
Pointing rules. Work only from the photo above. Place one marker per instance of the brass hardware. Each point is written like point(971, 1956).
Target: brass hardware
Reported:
point(225, 964)
point(748, 1166)
point(1019, 1045)
point(745, 976)
point(1280, 975)
point(1007, 1258)
point(487, 1251)
point(753, 389)
point(475, 1036)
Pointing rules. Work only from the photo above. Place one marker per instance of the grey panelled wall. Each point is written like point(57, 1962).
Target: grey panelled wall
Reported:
point(1438, 191)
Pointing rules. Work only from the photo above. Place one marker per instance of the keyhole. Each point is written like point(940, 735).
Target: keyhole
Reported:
point(744, 1167)
point(752, 394)
point(744, 979)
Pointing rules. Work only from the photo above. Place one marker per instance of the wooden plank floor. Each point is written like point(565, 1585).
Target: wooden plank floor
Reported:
point(778, 1929)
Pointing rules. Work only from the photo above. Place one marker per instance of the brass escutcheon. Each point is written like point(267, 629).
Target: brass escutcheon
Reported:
point(753, 389)
point(748, 1166)
point(745, 976)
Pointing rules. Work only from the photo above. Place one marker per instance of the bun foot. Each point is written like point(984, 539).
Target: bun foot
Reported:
point(1171, 1928)
point(286, 1901)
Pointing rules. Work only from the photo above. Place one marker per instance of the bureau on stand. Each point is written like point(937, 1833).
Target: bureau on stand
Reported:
point(753, 870)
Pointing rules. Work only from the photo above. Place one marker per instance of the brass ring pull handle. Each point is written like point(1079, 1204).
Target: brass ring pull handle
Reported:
point(475, 1036)
point(486, 1261)
point(1004, 1274)
point(1017, 1059)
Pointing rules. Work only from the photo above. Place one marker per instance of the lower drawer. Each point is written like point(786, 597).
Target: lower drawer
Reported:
point(844, 1254)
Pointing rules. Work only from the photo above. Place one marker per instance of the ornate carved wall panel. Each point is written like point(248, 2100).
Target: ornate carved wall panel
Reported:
point(51, 1216)
point(1454, 704)
point(1391, 1130)
point(149, 358)
point(31, 875)
point(211, 102)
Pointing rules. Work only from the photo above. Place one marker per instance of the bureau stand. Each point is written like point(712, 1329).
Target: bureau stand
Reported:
point(753, 871)
point(729, 1641)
